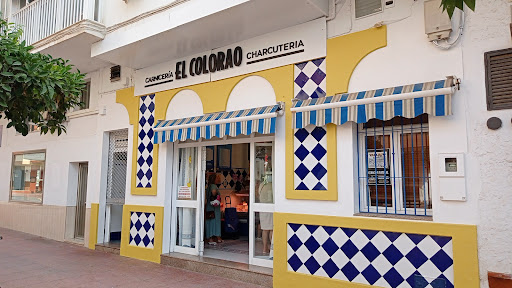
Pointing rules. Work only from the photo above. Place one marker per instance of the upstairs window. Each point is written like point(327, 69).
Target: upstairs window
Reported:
point(498, 79)
point(394, 166)
point(85, 97)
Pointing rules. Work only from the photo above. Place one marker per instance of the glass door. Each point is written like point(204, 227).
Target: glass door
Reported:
point(261, 242)
point(185, 231)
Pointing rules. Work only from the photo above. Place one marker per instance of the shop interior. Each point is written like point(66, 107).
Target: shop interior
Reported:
point(228, 172)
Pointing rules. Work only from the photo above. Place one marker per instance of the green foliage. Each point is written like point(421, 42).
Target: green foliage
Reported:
point(34, 88)
point(450, 5)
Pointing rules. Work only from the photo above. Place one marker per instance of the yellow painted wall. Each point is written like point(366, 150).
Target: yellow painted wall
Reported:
point(214, 95)
point(345, 52)
point(93, 230)
point(141, 253)
point(464, 238)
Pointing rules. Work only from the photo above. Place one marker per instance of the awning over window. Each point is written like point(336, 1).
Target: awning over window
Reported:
point(409, 101)
point(243, 122)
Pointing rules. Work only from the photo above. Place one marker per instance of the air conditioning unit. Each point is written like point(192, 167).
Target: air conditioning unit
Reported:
point(438, 25)
point(365, 8)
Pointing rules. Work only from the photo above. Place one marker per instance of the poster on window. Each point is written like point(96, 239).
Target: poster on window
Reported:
point(378, 165)
point(184, 193)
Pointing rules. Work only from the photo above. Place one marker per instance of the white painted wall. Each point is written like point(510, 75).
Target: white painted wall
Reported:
point(489, 151)
point(185, 103)
point(251, 92)
point(82, 143)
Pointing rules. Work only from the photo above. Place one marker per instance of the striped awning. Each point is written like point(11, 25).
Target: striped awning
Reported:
point(408, 101)
point(233, 123)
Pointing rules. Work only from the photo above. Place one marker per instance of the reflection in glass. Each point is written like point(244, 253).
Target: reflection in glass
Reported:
point(28, 177)
point(263, 173)
point(186, 230)
point(264, 228)
point(187, 173)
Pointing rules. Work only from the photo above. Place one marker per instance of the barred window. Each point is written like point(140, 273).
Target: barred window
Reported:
point(394, 166)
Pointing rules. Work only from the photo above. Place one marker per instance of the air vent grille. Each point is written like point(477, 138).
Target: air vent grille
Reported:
point(367, 7)
point(498, 72)
point(115, 73)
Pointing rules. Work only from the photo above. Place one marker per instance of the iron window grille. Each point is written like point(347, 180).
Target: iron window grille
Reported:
point(117, 164)
point(394, 167)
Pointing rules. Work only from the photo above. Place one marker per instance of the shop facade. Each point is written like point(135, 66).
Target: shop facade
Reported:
point(319, 156)
point(340, 156)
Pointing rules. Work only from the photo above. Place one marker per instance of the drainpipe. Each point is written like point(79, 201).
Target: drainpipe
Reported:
point(332, 10)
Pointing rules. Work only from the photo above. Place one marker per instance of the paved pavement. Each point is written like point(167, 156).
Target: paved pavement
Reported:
point(31, 261)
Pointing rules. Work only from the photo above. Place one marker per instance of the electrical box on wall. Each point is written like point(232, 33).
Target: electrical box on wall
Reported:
point(438, 25)
point(452, 177)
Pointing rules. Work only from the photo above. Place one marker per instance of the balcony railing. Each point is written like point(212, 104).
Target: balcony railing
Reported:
point(43, 18)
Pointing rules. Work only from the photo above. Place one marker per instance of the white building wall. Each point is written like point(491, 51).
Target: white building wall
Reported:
point(83, 141)
point(488, 30)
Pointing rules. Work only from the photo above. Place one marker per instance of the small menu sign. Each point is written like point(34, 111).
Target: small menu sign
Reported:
point(184, 193)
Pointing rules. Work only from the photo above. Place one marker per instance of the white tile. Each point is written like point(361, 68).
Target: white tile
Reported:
point(339, 237)
point(303, 253)
point(381, 264)
point(321, 256)
point(340, 259)
point(428, 246)
point(404, 244)
point(359, 239)
point(428, 269)
point(381, 242)
point(404, 268)
point(360, 261)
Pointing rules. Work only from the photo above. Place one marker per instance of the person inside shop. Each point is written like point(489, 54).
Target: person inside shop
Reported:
point(267, 219)
point(212, 213)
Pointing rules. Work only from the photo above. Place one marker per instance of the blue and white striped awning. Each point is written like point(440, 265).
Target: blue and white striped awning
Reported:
point(233, 123)
point(408, 101)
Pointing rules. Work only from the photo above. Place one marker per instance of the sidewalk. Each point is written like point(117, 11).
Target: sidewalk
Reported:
point(31, 261)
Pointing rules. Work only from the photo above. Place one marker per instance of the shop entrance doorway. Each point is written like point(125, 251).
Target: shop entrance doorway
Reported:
point(223, 200)
point(116, 187)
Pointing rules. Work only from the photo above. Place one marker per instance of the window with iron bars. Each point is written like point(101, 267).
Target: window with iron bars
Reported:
point(394, 166)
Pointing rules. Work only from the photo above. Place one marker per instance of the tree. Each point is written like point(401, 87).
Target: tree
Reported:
point(35, 88)
point(450, 5)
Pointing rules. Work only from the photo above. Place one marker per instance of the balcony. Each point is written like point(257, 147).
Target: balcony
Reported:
point(61, 28)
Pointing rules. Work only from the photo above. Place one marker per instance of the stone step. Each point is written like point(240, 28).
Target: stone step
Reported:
point(108, 248)
point(232, 270)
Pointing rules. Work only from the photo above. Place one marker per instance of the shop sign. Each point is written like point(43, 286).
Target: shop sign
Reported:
point(291, 45)
point(378, 164)
point(184, 193)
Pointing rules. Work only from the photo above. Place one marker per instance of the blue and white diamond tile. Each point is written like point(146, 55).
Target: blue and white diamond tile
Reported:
point(310, 79)
point(142, 229)
point(310, 158)
point(145, 143)
point(378, 258)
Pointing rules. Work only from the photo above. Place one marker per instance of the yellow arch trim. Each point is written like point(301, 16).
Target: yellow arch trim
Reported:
point(215, 95)
point(345, 52)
